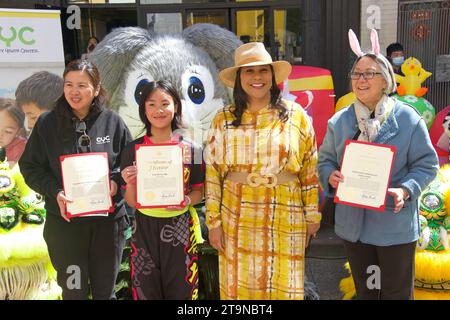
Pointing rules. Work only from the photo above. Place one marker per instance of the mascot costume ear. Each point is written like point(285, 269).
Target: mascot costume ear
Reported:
point(219, 43)
point(114, 54)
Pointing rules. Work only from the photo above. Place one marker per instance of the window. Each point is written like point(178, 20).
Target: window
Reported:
point(288, 35)
point(165, 22)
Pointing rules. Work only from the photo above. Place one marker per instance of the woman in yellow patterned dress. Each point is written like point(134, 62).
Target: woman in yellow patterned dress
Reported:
point(261, 182)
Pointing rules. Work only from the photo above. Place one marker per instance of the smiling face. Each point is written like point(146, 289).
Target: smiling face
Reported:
point(160, 109)
point(256, 81)
point(368, 91)
point(9, 128)
point(79, 92)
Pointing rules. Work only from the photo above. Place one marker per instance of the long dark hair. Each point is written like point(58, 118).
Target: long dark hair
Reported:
point(168, 88)
point(241, 99)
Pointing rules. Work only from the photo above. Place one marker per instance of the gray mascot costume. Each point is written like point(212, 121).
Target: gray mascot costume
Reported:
point(129, 57)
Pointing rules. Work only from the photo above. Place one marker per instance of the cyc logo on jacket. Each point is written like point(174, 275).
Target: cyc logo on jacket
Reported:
point(103, 140)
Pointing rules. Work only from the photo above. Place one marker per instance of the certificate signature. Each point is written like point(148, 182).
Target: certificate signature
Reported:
point(168, 195)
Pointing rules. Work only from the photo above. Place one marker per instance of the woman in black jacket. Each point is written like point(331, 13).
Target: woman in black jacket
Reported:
point(85, 251)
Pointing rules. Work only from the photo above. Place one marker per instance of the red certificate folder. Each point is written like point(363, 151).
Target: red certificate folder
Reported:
point(372, 149)
point(109, 207)
point(157, 175)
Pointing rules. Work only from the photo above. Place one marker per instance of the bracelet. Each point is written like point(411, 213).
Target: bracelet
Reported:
point(406, 194)
point(189, 201)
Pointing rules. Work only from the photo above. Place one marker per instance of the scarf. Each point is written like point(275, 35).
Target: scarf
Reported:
point(369, 122)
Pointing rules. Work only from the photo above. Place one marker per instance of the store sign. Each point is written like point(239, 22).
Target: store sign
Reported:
point(443, 68)
point(30, 41)
point(30, 36)
point(421, 15)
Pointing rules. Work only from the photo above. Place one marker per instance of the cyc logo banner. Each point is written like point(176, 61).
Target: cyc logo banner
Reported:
point(25, 36)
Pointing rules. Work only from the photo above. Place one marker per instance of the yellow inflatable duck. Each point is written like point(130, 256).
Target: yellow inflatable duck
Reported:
point(415, 75)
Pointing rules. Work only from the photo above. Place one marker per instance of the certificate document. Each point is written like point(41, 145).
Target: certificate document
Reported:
point(160, 175)
point(86, 182)
point(366, 168)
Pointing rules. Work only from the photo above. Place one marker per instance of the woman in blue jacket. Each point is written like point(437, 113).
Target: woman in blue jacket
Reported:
point(382, 239)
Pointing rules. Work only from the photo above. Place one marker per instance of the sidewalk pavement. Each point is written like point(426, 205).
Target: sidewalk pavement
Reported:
point(324, 266)
point(325, 259)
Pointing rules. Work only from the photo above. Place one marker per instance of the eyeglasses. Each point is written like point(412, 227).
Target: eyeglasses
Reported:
point(84, 141)
point(366, 75)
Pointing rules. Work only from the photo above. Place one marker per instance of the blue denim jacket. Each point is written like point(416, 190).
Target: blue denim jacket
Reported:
point(415, 166)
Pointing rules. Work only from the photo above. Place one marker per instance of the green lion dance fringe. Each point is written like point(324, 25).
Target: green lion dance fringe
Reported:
point(22, 282)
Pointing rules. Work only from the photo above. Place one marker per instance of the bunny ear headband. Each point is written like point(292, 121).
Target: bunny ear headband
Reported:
point(356, 48)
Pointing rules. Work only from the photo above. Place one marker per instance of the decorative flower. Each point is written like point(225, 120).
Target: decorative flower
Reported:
point(428, 105)
point(428, 116)
point(411, 99)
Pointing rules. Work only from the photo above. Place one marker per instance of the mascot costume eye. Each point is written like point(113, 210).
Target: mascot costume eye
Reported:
point(127, 58)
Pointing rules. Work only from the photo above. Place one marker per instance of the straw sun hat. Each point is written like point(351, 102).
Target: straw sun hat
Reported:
point(254, 54)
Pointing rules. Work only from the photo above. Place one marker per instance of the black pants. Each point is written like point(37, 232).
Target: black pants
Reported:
point(86, 256)
point(396, 266)
point(164, 258)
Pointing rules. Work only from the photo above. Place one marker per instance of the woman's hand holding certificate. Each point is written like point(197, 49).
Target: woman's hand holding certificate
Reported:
point(129, 174)
point(62, 201)
point(400, 195)
point(87, 187)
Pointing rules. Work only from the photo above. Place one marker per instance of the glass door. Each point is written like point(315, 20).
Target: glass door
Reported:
point(164, 22)
point(219, 17)
point(288, 35)
point(251, 25)
point(161, 19)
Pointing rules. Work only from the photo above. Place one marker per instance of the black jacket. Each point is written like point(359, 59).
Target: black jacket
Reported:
point(54, 135)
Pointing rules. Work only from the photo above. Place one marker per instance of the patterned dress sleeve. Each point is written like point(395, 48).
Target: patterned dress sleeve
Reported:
point(214, 173)
point(308, 173)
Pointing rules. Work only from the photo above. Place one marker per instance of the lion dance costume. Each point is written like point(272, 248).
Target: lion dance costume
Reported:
point(432, 277)
point(25, 268)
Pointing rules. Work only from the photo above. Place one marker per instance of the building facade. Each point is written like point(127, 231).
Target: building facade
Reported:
point(307, 32)
point(424, 31)
point(423, 28)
